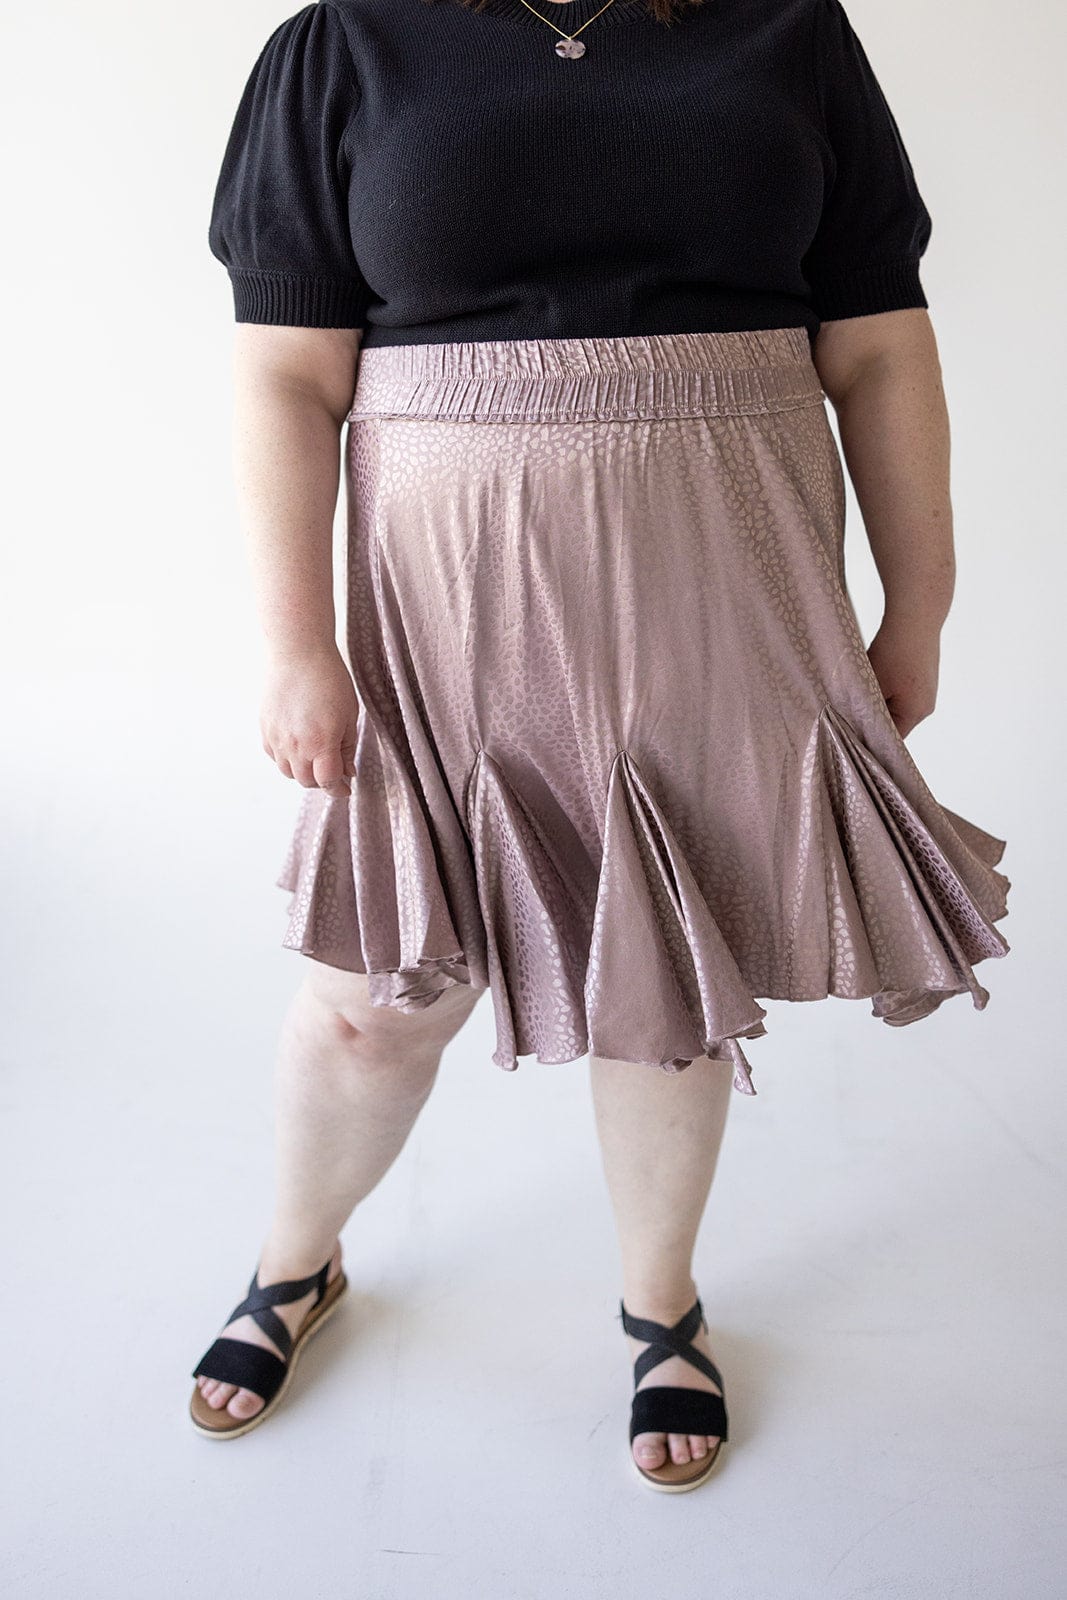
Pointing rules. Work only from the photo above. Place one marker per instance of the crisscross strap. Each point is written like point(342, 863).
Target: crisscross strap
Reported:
point(257, 1303)
point(662, 1409)
point(664, 1342)
point(225, 1357)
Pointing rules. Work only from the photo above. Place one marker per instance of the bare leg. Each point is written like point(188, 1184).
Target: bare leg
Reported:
point(351, 1078)
point(660, 1135)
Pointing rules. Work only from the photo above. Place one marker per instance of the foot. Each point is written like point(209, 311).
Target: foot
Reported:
point(651, 1450)
point(244, 1403)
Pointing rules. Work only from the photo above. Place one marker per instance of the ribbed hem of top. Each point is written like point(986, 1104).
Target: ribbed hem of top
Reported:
point(298, 300)
point(862, 291)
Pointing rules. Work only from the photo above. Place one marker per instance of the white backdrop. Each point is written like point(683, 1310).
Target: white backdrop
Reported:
point(878, 1245)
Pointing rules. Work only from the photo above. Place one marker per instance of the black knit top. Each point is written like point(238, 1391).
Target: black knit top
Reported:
point(436, 172)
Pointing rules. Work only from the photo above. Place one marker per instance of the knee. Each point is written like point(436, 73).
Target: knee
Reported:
point(337, 1006)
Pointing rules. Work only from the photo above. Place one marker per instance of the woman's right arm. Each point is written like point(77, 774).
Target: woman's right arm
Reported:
point(293, 388)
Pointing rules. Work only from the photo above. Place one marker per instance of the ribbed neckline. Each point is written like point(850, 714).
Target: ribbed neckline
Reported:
point(570, 15)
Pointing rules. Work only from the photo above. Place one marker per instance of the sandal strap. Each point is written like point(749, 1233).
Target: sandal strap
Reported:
point(260, 1298)
point(664, 1342)
point(290, 1289)
point(249, 1366)
point(673, 1410)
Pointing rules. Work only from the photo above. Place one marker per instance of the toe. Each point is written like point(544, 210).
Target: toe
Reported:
point(678, 1444)
point(245, 1404)
point(650, 1449)
point(698, 1446)
point(220, 1394)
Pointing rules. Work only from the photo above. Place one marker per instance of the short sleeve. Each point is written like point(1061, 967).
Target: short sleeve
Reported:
point(874, 225)
point(280, 220)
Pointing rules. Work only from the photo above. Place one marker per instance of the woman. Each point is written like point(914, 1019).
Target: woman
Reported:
point(580, 277)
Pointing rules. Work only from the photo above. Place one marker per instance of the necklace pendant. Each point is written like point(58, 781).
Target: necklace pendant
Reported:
point(570, 49)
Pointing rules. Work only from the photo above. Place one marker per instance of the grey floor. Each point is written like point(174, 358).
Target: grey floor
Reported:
point(881, 1261)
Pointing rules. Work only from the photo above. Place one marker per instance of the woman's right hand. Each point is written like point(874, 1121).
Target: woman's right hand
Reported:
point(308, 719)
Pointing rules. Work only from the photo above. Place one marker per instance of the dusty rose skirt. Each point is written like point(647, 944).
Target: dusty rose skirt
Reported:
point(622, 757)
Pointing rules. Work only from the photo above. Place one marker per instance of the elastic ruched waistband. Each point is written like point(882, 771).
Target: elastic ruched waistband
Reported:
point(634, 375)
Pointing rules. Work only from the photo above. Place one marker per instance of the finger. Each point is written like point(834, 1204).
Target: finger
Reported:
point(329, 776)
point(304, 772)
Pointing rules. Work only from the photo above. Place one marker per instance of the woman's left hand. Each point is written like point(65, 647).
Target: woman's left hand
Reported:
point(906, 657)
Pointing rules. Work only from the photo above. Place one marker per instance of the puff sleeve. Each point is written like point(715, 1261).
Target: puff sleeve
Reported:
point(874, 226)
point(279, 219)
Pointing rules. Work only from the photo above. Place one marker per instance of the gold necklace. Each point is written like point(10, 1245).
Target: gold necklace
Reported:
point(570, 47)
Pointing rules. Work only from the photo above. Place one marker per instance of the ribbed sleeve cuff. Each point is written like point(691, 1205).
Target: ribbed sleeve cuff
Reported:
point(298, 300)
point(861, 291)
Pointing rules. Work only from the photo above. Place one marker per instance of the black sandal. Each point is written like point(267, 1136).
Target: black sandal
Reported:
point(668, 1409)
point(252, 1366)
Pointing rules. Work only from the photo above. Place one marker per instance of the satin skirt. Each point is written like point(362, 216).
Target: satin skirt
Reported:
point(622, 758)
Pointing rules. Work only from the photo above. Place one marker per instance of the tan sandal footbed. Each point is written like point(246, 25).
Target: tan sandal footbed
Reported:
point(675, 1476)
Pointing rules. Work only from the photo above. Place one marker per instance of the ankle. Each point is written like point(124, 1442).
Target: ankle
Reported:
point(282, 1259)
point(660, 1299)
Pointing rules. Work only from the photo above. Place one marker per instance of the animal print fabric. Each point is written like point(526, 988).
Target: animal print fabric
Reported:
point(622, 758)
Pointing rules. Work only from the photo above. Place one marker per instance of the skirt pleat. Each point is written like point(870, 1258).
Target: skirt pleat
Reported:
point(622, 759)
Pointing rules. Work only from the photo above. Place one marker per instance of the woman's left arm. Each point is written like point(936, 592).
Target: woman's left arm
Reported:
point(882, 374)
